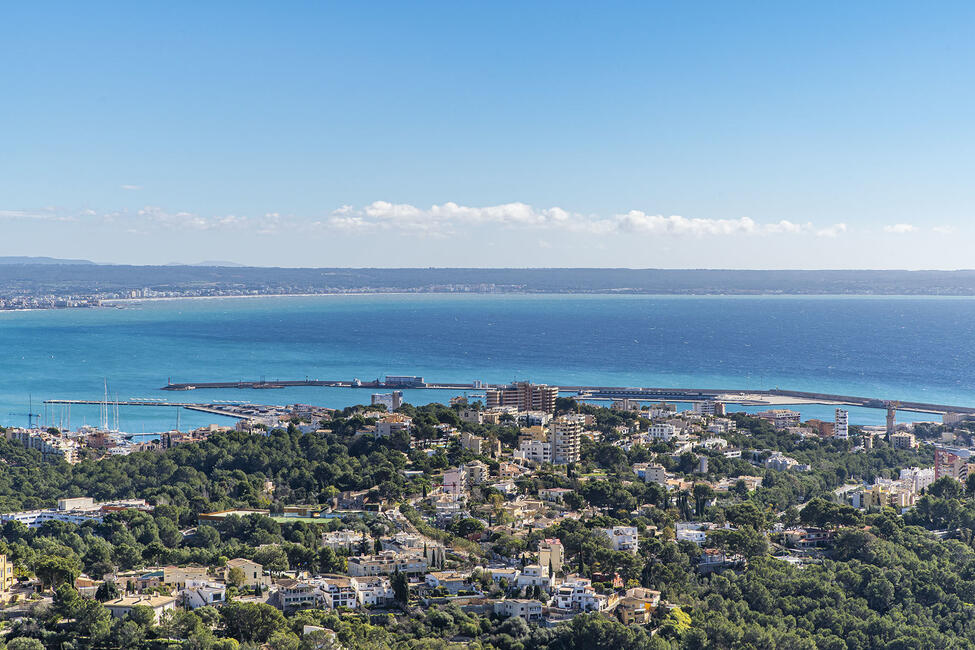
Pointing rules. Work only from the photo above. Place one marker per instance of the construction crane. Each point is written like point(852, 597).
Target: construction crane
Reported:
point(30, 415)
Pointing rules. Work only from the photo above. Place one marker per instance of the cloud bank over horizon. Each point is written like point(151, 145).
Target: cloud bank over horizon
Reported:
point(454, 234)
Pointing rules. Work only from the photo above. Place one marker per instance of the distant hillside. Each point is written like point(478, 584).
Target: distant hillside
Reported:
point(217, 263)
point(40, 260)
point(21, 278)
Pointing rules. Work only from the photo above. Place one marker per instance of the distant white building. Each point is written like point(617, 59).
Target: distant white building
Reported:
point(623, 538)
point(387, 563)
point(662, 432)
point(529, 610)
point(651, 472)
point(917, 477)
point(709, 407)
point(344, 539)
point(535, 575)
point(537, 451)
point(841, 424)
point(578, 594)
point(73, 511)
point(393, 423)
point(200, 593)
point(566, 435)
point(373, 590)
point(391, 401)
point(691, 532)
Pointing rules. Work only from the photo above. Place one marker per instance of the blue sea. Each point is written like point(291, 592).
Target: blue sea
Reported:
point(905, 348)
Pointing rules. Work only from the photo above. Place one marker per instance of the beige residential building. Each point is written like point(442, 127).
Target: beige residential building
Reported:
point(566, 436)
point(6, 577)
point(253, 572)
point(477, 472)
point(903, 440)
point(178, 576)
point(158, 604)
point(474, 444)
point(387, 563)
point(637, 606)
point(524, 396)
point(551, 554)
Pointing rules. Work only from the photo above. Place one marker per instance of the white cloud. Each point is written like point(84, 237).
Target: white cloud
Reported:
point(832, 231)
point(131, 188)
point(46, 214)
point(900, 228)
point(944, 230)
point(636, 221)
point(155, 217)
point(442, 220)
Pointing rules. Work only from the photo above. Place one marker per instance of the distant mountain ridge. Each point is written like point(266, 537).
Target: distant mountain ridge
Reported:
point(24, 259)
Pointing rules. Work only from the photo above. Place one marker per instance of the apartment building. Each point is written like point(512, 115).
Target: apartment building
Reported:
point(623, 538)
point(294, 594)
point(253, 572)
point(841, 424)
point(535, 575)
point(551, 555)
point(578, 594)
point(535, 451)
point(662, 432)
point(566, 437)
point(637, 605)
point(477, 472)
point(339, 591)
point(709, 407)
point(651, 472)
point(120, 607)
point(917, 477)
point(780, 418)
point(74, 511)
point(903, 440)
point(50, 445)
point(391, 401)
point(524, 396)
point(474, 444)
point(393, 423)
point(373, 590)
point(529, 610)
point(455, 481)
point(6, 578)
point(387, 563)
point(947, 462)
point(345, 539)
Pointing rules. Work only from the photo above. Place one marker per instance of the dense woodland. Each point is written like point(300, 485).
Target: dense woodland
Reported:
point(889, 582)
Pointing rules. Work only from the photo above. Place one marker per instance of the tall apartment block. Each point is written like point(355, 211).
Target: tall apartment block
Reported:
point(524, 396)
point(566, 436)
point(841, 425)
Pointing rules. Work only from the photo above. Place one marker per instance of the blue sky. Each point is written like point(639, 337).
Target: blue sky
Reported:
point(745, 135)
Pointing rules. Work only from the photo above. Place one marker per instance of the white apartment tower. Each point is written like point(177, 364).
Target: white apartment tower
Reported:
point(566, 434)
point(841, 425)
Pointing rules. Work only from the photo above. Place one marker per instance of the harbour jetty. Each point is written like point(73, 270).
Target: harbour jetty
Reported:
point(732, 395)
point(239, 411)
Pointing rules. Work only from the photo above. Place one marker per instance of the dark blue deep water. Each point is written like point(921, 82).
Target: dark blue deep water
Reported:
point(892, 347)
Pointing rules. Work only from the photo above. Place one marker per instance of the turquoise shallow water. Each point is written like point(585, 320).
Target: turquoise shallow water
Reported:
point(891, 347)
